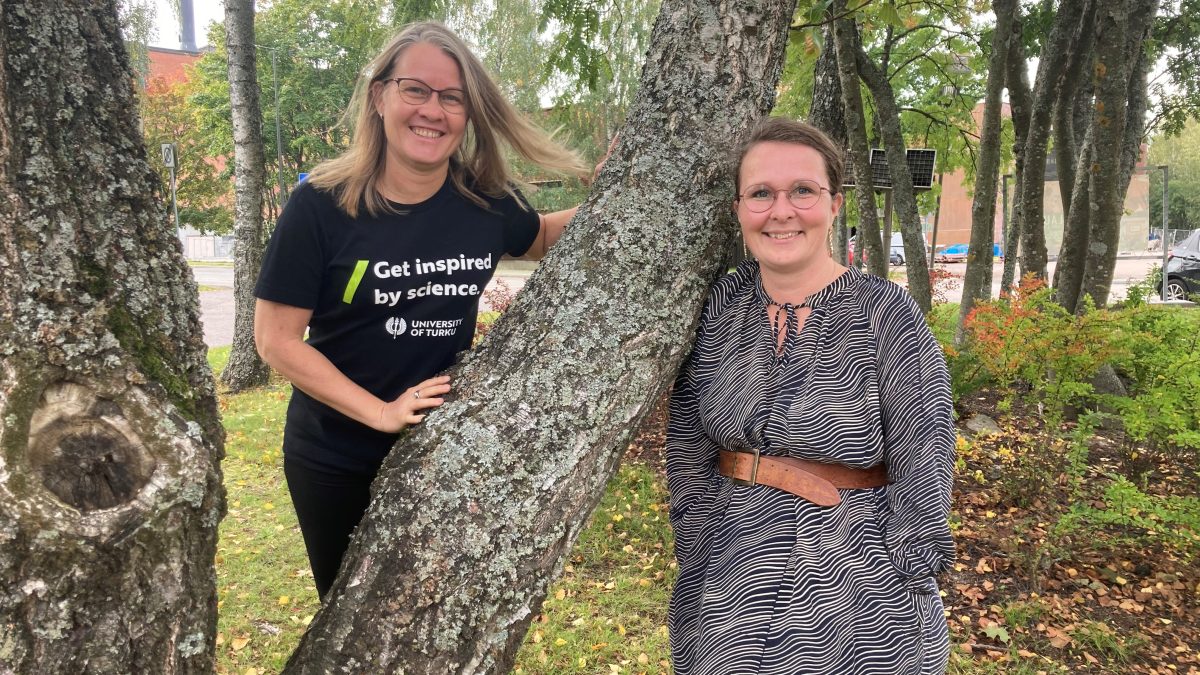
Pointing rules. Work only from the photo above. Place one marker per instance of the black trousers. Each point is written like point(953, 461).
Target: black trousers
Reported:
point(329, 505)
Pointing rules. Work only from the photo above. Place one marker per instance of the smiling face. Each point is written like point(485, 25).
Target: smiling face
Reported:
point(420, 138)
point(783, 238)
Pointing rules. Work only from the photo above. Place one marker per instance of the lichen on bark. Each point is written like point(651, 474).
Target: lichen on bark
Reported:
point(110, 439)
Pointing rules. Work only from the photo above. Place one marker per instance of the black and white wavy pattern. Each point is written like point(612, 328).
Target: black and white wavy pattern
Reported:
point(771, 583)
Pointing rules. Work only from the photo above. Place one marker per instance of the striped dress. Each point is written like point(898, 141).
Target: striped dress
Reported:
point(769, 582)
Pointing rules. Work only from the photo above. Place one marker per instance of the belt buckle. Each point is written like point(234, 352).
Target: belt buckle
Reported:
point(753, 468)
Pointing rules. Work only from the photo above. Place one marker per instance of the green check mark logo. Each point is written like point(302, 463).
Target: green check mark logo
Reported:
point(360, 268)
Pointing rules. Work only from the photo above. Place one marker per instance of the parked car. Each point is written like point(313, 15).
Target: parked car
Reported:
point(1183, 268)
point(952, 253)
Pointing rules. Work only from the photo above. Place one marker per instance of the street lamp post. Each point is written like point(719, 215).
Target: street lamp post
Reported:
point(1165, 246)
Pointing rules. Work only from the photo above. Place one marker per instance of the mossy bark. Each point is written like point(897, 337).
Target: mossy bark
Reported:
point(109, 435)
point(476, 508)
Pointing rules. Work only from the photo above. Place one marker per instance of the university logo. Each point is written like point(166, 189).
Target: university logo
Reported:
point(396, 326)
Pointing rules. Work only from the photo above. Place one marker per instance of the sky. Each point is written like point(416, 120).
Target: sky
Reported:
point(205, 12)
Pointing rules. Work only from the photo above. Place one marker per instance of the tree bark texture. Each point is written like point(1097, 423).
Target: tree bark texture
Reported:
point(1051, 69)
point(869, 236)
point(110, 489)
point(903, 196)
point(977, 280)
point(1119, 71)
point(245, 368)
point(1068, 270)
point(1066, 143)
point(828, 113)
point(1020, 99)
point(476, 508)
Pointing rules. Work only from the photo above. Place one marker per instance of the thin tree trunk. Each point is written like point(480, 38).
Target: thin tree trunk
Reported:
point(475, 509)
point(1120, 74)
point(903, 196)
point(846, 39)
point(1020, 101)
point(977, 281)
point(245, 368)
point(1051, 69)
point(1066, 145)
point(828, 113)
point(110, 489)
point(1068, 271)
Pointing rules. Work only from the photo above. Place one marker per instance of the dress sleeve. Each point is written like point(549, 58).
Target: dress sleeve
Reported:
point(918, 437)
point(691, 453)
point(294, 263)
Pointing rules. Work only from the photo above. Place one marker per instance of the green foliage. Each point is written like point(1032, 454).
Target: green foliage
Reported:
point(137, 27)
point(1026, 342)
point(1170, 521)
point(596, 57)
point(1159, 357)
point(1180, 152)
point(202, 185)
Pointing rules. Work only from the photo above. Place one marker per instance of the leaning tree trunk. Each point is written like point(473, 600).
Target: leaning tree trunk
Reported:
point(977, 281)
point(475, 509)
point(245, 368)
point(110, 490)
point(1120, 63)
point(1030, 218)
point(1068, 271)
point(1067, 139)
point(869, 235)
point(903, 196)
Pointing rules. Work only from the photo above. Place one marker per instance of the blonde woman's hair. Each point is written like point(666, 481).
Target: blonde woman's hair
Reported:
point(477, 166)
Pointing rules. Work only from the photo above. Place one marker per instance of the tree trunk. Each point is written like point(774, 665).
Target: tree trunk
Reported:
point(1066, 137)
point(846, 45)
point(475, 509)
point(903, 196)
point(1068, 271)
point(110, 489)
point(977, 281)
point(1120, 79)
point(1032, 188)
point(245, 368)
point(828, 113)
point(1020, 101)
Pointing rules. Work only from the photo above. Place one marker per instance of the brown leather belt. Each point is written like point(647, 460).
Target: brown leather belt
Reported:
point(815, 481)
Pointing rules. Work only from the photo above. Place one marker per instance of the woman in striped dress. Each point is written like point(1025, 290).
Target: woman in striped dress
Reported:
point(810, 448)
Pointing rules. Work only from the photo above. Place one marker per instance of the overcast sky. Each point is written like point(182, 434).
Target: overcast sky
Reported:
point(205, 12)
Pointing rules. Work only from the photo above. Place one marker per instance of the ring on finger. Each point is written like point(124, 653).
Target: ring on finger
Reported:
point(416, 393)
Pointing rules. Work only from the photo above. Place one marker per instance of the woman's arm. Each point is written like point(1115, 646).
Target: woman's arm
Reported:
point(279, 337)
point(918, 442)
point(552, 226)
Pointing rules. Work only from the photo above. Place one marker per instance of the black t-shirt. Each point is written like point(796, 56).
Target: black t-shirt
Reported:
point(394, 299)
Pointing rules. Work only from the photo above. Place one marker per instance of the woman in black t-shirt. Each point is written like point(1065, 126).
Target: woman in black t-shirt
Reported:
point(381, 255)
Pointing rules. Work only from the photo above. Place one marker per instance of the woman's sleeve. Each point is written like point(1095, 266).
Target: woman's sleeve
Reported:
point(293, 265)
point(918, 437)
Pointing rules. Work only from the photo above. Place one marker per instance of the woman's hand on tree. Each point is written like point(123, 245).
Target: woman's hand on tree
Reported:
point(411, 406)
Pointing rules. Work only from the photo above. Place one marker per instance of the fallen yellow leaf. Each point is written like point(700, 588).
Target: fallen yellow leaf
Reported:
point(283, 600)
point(239, 643)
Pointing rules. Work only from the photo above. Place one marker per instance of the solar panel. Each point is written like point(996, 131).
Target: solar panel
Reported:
point(920, 166)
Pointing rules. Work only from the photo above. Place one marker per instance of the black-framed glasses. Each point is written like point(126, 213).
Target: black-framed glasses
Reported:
point(416, 92)
point(802, 195)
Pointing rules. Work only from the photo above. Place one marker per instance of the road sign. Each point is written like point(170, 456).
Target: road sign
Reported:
point(168, 155)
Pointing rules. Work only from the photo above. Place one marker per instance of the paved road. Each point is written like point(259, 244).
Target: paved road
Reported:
point(216, 302)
